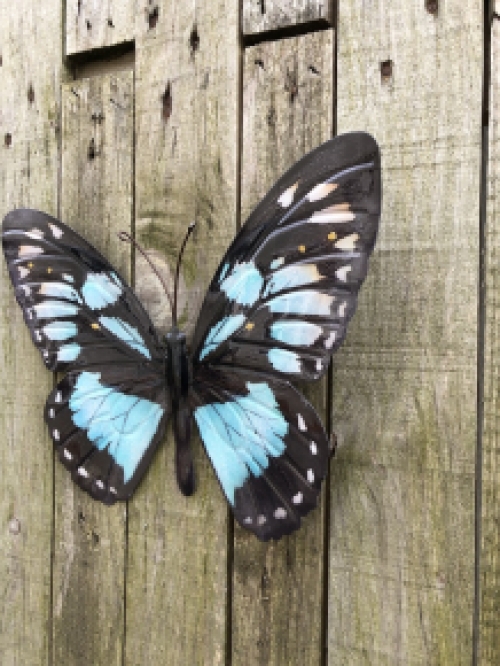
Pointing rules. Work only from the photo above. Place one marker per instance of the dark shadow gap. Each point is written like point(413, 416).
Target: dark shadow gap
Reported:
point(483, 194)
point(96, 62)
point(286, 32)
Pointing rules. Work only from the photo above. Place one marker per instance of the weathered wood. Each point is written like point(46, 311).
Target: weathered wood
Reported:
point(489, 562)
point(96, 201)
point(186, 166)
point(401, 562)
point(287, 111)
point(264, 15)
point(29, 113)
point(92, 24)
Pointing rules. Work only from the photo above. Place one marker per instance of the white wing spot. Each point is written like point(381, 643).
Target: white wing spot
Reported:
point(261, 520)
point(348, 242)
point(286, 199)
point(310, 476)
point(297, 499)
point(38, 335)
point(314, 448)
point(99, 484)
point(280, 513)
point(330, 339)
point(26, 288)
point(342, 309)
point(248, 521)
point(341, 273)
point(319, 365)
point(56, 435)
point(321, 191)
point(30, 314)
point(302, 423)
point(36, 234)
point(45, 353)
point(52, 412)
point(56, 231)
point(23, 271)
point(67, 454)
point(113, 490)
point(83, 472)
point(29, 250)
point(58, 397)
point(68, 277)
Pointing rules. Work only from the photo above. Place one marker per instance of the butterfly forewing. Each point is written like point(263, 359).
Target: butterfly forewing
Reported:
point(287, 287)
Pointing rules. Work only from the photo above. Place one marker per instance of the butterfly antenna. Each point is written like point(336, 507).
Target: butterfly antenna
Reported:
point(127, 238)
point(178, 269)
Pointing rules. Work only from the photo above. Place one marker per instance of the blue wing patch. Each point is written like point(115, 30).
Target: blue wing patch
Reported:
point(220, 332)
point(241, 435)
point(125, 332)
point(295, 333)
point(243, 284)
point(123, 424)
point(100, 290)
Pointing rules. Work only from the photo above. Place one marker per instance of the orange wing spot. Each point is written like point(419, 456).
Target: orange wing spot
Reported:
point(332, 235)
point(302, 248)
point(49, 270)
point(249, 326)
point(30, 265)
point(95, 326)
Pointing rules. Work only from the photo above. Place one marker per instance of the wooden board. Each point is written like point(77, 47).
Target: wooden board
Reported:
point(29, 112)
point(489, 561)
point(278, 588)
point(89, 542)
point(264, 15)
point(93, 24)
point(186, 168)
point(401, 564)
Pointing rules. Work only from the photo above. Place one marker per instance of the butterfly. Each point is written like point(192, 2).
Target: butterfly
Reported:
point(275, 311)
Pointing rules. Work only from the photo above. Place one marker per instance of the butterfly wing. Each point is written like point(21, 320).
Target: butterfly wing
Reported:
point(108, 414)
point(279, 306)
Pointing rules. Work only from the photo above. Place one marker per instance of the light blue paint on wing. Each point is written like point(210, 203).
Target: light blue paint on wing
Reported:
point(59, 290)
point(291, 277)
point(305, 302)
point(60, 330)
point(220, 332)
point(125, 332)
point(223, 272)
point(243, 284)
point(68, 353)
point(55, 309)
point(300, 333)
point(240, 435)
point(123, 424)
point(100, 290)
point(284, 360)
point(276, 263)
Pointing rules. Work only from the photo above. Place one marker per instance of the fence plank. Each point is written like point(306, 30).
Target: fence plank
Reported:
point(96, 201)
point(401, 574)
point(287, 111)
point(186, 152)
point(263, 15)
point(92, 24)
point(29, 113)
point(489, 634)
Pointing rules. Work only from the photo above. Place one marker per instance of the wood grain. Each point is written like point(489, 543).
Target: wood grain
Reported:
point(186, 168)
point(93, 24)
point(96, 201)
point(29, 115)
point(401, 565)
point(277, 590)
point(489, 561)
point(264, 15)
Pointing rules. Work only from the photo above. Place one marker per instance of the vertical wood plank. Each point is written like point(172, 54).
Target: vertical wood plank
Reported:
point(92, 24)
point(287, 111)
point(401, 571)
point(489, 561)
point(29, 119)
point(186, 166)
point(264, 15)
point(96, 197)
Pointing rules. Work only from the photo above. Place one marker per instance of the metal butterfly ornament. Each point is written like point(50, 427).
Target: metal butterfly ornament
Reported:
point(275, 311)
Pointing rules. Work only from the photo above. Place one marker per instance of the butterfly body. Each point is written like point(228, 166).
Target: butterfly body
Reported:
point(277, 308)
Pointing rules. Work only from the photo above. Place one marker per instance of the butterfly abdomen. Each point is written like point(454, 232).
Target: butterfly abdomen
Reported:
point(177, 371)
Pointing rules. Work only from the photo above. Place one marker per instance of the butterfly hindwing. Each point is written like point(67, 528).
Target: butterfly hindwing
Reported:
point(106, 425)
point(287, 287)
point(78, 309)
point(267, 445)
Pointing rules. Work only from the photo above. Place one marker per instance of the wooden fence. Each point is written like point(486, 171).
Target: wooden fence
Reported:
point(146, 114)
